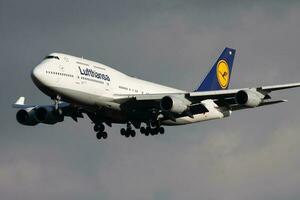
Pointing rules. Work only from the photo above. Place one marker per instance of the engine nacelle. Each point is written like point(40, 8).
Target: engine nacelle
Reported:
point(27, 117)
point(248, 98)
point(48, 115)
point(174, 104)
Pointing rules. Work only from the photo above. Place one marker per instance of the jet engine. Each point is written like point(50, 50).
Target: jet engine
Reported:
point(48, 115)
point(249, 98)
point(174, 104)
point(27, 117)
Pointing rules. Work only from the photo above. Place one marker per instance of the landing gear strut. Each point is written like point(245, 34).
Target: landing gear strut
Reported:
point(152, 128)
point(56, 104)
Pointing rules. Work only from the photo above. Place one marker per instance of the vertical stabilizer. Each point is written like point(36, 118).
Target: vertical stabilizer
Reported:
point(218, 77)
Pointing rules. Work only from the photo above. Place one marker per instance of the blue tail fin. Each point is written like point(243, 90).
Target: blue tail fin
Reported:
point(219, 76)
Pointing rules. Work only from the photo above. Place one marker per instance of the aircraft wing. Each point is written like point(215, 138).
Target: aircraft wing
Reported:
point(221, 94)
point(67, 108)
point(221, 97)
point(279, 87)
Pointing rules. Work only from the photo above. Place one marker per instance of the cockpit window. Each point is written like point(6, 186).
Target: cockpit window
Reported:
point(51, 57)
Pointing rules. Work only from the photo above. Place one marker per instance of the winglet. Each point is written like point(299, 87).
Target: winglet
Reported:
point(20, 101)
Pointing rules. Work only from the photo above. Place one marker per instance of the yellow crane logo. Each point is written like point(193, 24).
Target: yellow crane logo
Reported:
point(222, 73)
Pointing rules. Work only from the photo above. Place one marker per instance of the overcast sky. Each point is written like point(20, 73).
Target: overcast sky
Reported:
point(252, 155)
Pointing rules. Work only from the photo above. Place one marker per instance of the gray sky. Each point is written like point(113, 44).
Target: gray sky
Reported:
point(252, 155)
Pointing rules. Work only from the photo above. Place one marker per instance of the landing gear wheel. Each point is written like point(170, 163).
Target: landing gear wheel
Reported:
point(161, 130)
point(153, 132)
point(99, 135)
point(99, 127)
point(123, 131)
point(127, 133)
point(143, 130)
point(132, 133)
point(148, 131)
point(104, 135)
point(96, 128)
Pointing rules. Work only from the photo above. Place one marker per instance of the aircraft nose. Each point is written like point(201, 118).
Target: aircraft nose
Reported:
point(37, 73)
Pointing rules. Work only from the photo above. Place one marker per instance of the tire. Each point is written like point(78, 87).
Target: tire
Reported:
point(96, 128)
point(153, 132)
point(143, 130)
point(148, 131)
point(123, 131)
point(161, 130)
point(132, 133)
point(101, 127)
point(127, 133)
point(104, 135)
point(99, 135)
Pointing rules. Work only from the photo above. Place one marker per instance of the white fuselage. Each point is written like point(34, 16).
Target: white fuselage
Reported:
point(89, 83)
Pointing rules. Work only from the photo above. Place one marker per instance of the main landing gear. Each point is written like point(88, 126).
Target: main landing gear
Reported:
point(153, 128)
point(100, 133)
point(152, 131)
point(129, 132)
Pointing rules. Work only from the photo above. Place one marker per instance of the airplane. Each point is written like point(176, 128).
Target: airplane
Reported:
point(79, 86)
